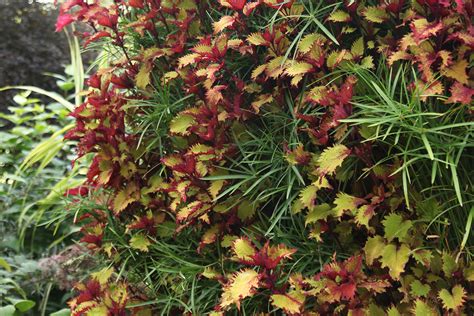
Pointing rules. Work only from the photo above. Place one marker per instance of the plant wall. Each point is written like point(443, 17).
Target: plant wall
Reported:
point(288, 157)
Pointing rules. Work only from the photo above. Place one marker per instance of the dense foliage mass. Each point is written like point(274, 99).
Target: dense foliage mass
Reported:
point(297, 157)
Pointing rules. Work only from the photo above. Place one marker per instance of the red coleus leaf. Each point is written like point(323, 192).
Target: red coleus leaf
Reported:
point(64, 20)
point(267, 257)
point(95, 37)
point(341, 278)
point(234, 4)
point(136, 3)
point(461, 94)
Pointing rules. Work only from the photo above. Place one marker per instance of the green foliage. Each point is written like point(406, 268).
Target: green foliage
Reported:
point(35, 174)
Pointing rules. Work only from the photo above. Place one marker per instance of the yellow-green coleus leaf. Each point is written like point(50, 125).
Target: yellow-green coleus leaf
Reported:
point(181, 123)
point(375, 14)
point(339, 16)
point(331, 158)
point(421, 308)
point(396, 227)
point(142, 79)
point(243, 249)
point(241, 285)
point(346, 202)
point(373, 248)
point(418, 289)
point(449, 264)
point(395, 259)
point(318, 212)
point(140, 241)
point(291, 302)
point(298, 68)
point(453, 300)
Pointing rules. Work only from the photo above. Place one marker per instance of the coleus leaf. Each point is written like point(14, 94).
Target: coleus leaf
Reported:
point(449, 264)
point(339, 16)
point(307, 196)
point(453, 300)
point(140, 241)
point(180, 124)
point(373, 248)
point(233, 4)
point(298, 68)
point(257, 39)
point(418, 289)
point(142, 79)
point(243, 249)
point(64, 19)
point(357, 48)
point(223, 23)
point(460, 94)
point(291, 302)
point(395, 259)
point(331, 158)
point(421, 308)
point(375, 14)
point(396, 227)
point(318, 212)
point(298, 156)
point(188, 59)
point(346, 202)
point(457, 71)
point(241, 285)
point(246, 210)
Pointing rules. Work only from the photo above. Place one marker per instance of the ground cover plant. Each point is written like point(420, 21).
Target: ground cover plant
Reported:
point(295, 157)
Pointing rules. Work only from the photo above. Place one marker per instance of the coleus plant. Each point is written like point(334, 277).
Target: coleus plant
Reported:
point(233, 73)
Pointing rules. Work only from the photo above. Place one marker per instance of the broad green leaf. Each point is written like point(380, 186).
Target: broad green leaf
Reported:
point(246, 210)
point(4, 264)
point(256, 39)
point(22, 305)
point(307, 42)
point(103, 276)
point(8, 310)
point(393, 311)
point(62, 312)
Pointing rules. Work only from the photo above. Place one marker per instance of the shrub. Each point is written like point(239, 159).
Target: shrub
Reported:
point(268, 156)
point(29, 46)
